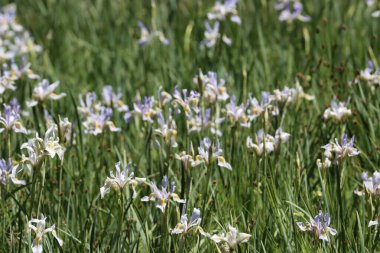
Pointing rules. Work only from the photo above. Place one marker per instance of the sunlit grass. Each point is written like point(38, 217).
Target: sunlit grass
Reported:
point(89, 44)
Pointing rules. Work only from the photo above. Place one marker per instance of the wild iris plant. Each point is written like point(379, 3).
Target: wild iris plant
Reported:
point(185, 226)
point(266, 143)
point(44, 91)
point(162, 197)
point(319, 227)
point(338, 111)
point(219, 13)
point(11, 118)
point(372, 187)
point(8, 173)
point(38, 226)
point(147, 36)
point(37, 148)
point(208, 153)
point(121, 180)
point(372, 184)
point(216, 110)
point(338, 152)
point(290, 11)
point(370, 75)
point(230, 240)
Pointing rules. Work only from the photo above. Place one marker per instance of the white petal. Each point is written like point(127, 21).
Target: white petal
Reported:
point(59, 240)
point(37, 248)
point(373, 223)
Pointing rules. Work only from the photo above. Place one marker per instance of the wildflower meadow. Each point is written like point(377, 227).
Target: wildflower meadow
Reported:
point(189, 126)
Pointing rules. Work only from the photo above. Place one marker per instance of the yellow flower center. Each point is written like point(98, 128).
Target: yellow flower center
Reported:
point(244, 118)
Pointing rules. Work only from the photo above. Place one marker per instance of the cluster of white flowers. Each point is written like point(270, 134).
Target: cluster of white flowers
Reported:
point(231, 239)
point(266, 143)
point(97, 117)
point(44, 91)
point(336, 152)
point(184, 226)
point(319, 227)
point(370, 75)
point(148, 36)
point(338, 111)
point(220, 12)
point(121, 180)
point(370, 4)
point(203, 109)
point(15, 44)
point(37, 148)
point(8, 172)
point(290, 11)
point(16, 41)
point(38, 226)
point(167, 129)
point(163, 196)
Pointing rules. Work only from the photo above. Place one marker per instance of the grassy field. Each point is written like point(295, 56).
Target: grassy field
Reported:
point(262, 188)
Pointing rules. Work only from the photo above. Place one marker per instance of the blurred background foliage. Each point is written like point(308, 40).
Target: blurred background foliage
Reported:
point(89, 43)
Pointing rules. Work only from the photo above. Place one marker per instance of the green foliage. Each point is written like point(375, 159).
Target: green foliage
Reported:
point(89, 43)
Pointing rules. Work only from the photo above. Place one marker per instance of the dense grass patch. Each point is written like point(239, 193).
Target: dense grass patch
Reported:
point(263, 191)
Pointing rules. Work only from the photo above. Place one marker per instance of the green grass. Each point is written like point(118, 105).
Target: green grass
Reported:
point(90, 43)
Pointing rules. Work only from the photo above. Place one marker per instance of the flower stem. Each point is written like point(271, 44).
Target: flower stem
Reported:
point(341, 208)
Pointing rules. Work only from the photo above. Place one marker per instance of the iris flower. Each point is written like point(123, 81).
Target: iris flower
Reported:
point(38, 148)
point(187, 100)
point(121, 180)
point(338, 111)
point(267, 143)
point(214, 89)
point(146, 109)
point(208, 153)
point(212, 35)
point(283, 96)
point(96, 122)
point(185, 226)
point(372, 184)
point(341, 150)
point(167, 129)
point(22, 70)
point(232, 238)
point(113, 100)
point(147, 36)
point(319, 227)
point(370, 74)
point(223, 10)
point(10, 118)
point(44, 91)
point(163, 196)
point(9, 172)
point(254, 108)
point(88, 104)
point(38, 226)
point(185, 158)
point(198, 121)
point(6, 82)
point(289, 14)
point(237, 114)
